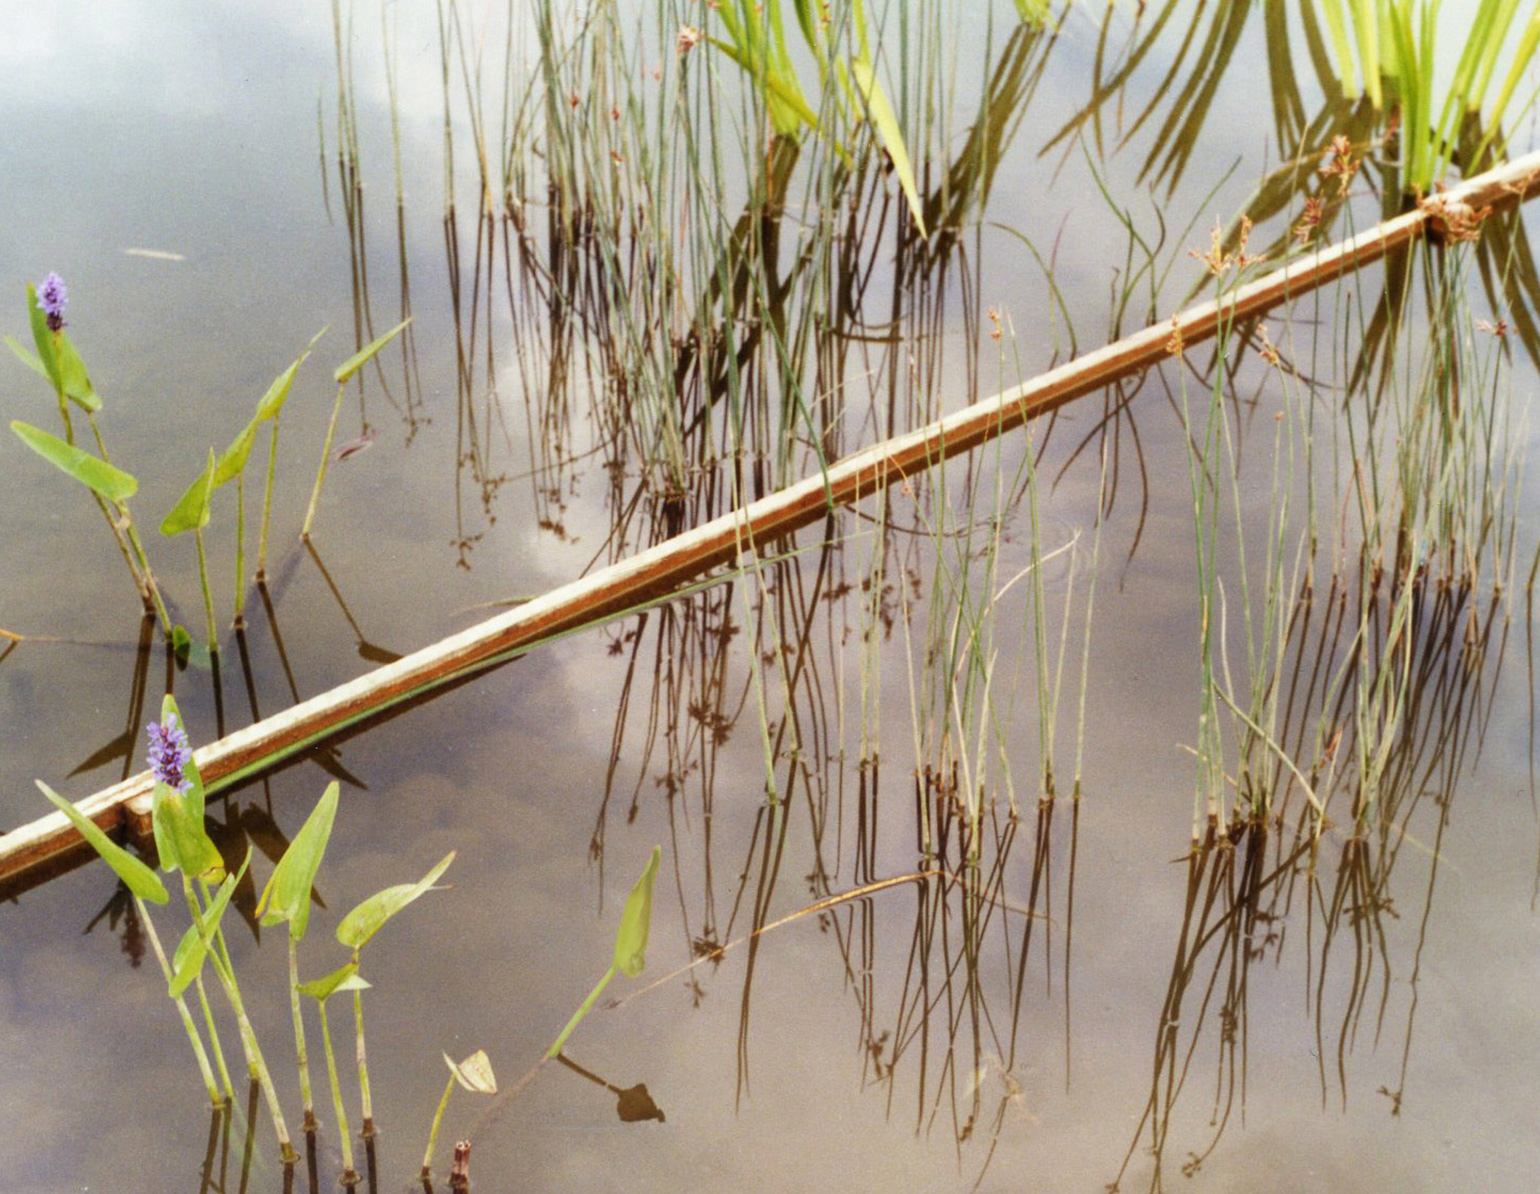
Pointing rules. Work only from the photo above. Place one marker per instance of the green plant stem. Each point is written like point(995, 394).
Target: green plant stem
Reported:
point(588, 1006)
point(300, 1050)
point(219, 956)
point(128, 557)
point(208, 595)
point(209, 1083)
point(117, 534)
point(240, 550)
point(267, 502)
point(144, 565)
point(438, 1118)
point(219, 1050)
point(348, 1172)
point(326, 455)
point(363, 1062)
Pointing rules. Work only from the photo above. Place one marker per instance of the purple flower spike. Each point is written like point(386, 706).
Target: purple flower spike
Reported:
point(51, 297)
point(170, 753)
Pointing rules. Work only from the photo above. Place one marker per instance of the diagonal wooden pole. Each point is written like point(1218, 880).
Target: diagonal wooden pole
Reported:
point(664, 567)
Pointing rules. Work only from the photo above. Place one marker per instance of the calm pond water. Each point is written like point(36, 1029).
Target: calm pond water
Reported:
point(1093, 1003)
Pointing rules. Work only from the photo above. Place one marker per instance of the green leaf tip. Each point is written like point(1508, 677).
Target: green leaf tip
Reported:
point(367, 353)
point(287, 895)
point(636, 921)
point(344, 978)
point(370, 916)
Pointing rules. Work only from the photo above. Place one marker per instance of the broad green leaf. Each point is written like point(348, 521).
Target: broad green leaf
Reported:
point(474, 1073)
point(195, 793)
point(82, 393)
point(77, 382)
point(366, 920)
point(139, 878)
point(42, 336)
point(232, 461)
point(26, 357)
point(191, 512)
point(366, 354)
point(636, 921)
point(91, 471)
point(889, 133)
point(287, 895)
point(192, 950)
point(180, 837)
point(345, 978)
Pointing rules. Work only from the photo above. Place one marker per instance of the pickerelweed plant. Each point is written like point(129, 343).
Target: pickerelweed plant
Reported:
point(60, 364)
point(186, 850)
point(58, 361)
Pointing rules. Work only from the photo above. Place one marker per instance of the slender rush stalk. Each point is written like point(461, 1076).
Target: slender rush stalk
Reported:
point(219, 1051)
point(326, 455)
point(144, 565)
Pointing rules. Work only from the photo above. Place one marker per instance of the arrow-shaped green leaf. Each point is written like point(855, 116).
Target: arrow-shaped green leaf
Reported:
point(192, 950)
point(140, 879)
point(365, 354)
point(191, 512)
point(345, 978)
point(287, 895)
point(91, 471)
point(636, 921)
point(367, 919)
